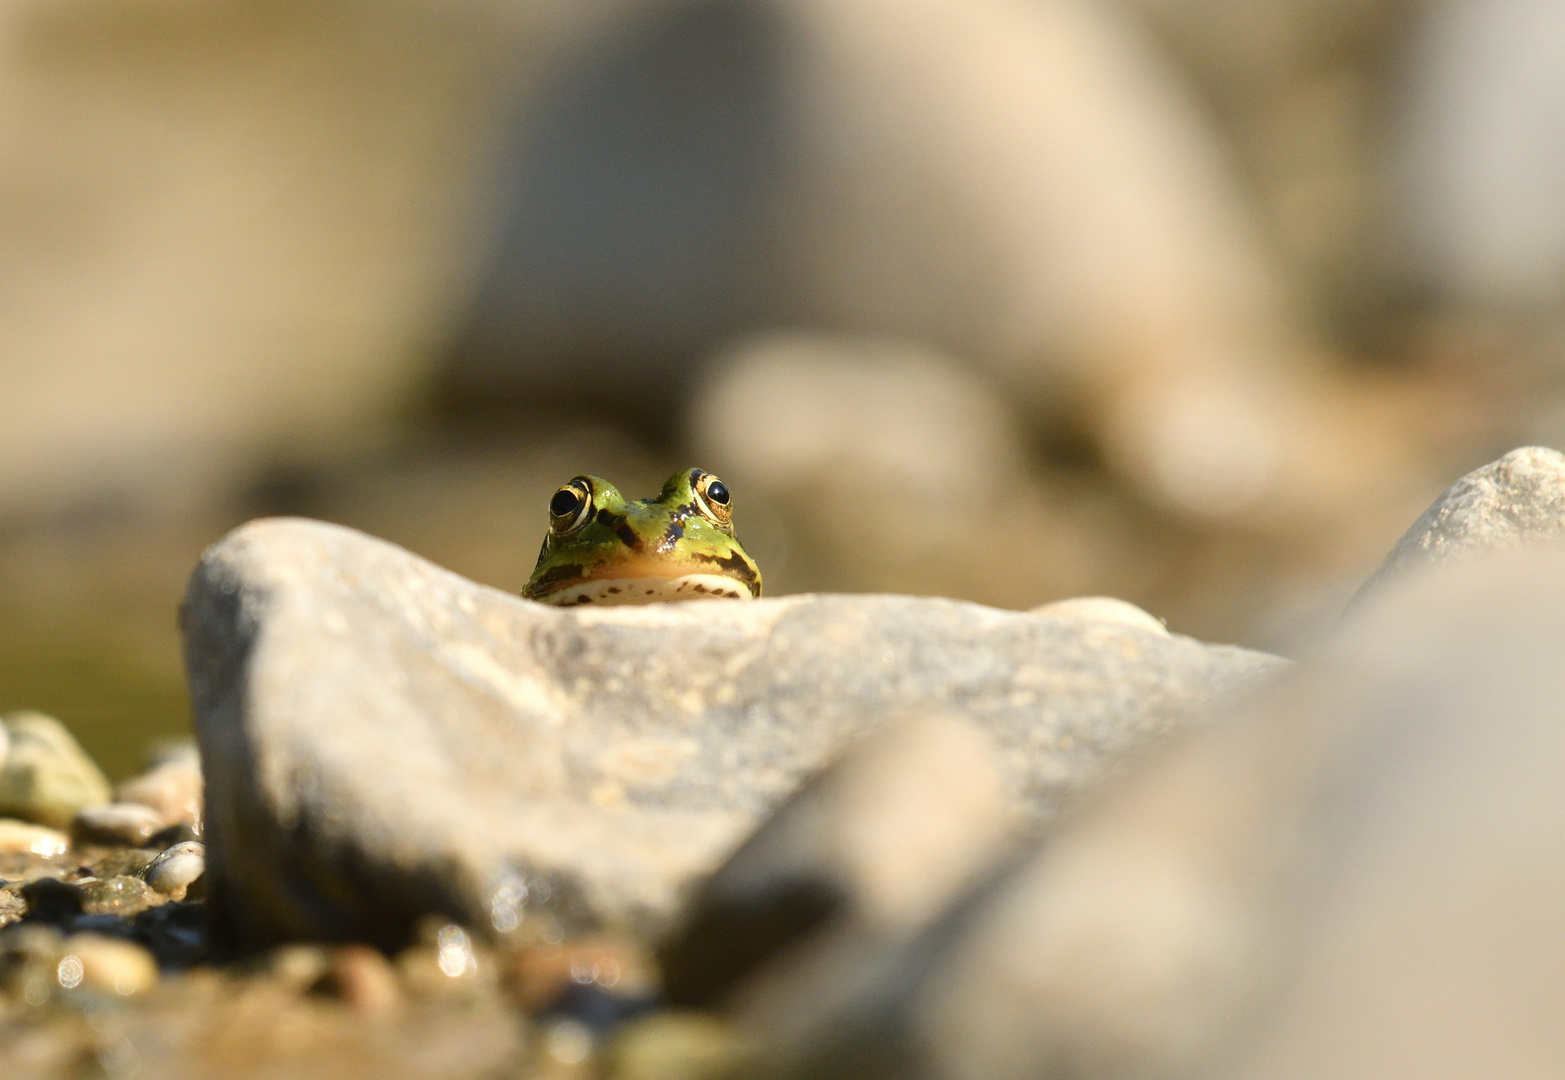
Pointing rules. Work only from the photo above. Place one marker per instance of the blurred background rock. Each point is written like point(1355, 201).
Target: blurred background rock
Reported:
point(1191, 303)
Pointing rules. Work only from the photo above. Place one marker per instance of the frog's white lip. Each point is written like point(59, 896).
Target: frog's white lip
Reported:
point(651, 590)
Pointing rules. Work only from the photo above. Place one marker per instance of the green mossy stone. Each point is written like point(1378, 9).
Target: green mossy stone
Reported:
point(47, 776)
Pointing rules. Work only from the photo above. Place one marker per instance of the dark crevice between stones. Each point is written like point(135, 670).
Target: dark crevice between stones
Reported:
point(722, 941)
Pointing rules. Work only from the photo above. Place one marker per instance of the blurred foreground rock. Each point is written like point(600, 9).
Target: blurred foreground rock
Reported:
point(1436, 883)
point(1314, 886)
point(383, 739)
point(873, 847)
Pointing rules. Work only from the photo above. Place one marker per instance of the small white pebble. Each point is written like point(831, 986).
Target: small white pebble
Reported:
point(172, 872)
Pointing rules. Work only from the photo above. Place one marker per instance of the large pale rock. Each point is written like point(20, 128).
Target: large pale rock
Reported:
point(382, 738)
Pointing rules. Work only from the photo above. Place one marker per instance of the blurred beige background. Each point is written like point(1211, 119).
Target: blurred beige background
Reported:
point(1192, 303)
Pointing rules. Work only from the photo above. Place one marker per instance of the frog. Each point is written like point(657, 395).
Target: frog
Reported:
point(679, 545)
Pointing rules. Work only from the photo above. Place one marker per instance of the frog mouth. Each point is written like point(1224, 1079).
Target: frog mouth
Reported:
point(650, 590)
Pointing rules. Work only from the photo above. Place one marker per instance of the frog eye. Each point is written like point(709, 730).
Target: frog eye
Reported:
point(713, 499)
point(571, 507)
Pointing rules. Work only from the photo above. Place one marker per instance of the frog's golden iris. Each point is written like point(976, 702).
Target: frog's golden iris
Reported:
point(680, 545)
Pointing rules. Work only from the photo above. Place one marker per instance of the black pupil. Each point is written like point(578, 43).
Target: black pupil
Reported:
point(566, 502)
point(718, 492)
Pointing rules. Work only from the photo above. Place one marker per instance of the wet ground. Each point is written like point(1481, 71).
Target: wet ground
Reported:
point(101, 976)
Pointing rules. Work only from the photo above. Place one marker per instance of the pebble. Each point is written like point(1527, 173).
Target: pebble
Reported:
point(29, 954)
point(362, 978)
point(174, 871)
point(114, 862)
point(568, 1042)
point(674, 1046)
point(176, 932)
point(1104, 609)
point(47, 777)
point(106, 964)
point(21, 836)
point(12, 906)
point(298, 966)
point(117, 824)
point(173, 788)
point(121, 895)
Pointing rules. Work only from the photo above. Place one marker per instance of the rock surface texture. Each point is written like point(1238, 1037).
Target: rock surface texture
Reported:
point(382, 739)
point(1515, 501)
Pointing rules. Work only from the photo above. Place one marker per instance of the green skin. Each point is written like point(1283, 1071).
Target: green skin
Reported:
point(673, 547)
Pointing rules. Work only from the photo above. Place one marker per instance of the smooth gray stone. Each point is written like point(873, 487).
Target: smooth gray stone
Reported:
point(382, 738)
point(1314, 886)
point(1515, 501)
point(121, 824)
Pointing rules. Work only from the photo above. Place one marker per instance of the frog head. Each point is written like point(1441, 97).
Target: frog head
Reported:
point(680, 545)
